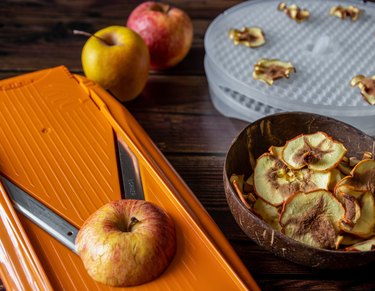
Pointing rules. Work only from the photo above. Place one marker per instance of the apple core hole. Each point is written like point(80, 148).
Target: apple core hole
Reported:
point(122, 226)
point(110, 40)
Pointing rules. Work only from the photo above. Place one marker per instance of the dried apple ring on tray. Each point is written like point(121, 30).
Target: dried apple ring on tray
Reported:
point(313, 218)
point(294, 12)
point(248, 36)
point(341, 12)
point(367, 87)
point(269, 70)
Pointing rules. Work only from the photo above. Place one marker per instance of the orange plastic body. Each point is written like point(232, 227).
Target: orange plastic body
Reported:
point(58, 142)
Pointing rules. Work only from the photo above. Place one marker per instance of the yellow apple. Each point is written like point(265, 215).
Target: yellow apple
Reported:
point(118, 59)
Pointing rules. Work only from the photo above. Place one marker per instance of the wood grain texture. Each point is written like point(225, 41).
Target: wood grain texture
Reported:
point(174, 109)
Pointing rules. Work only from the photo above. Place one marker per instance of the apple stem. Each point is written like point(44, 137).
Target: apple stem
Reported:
point(87, 34)
point(133, 221)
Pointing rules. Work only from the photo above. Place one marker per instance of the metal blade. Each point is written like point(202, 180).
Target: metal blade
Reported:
point(130, 174)
point(41, 215)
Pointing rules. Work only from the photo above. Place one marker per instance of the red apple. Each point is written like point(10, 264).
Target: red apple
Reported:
point(127, 243)
point(167, 31)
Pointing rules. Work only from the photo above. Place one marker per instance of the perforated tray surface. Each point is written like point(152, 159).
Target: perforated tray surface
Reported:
point(327, 53)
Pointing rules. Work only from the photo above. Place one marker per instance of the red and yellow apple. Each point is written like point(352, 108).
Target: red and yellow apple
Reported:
point(167, 31)
point(118, 59)
point(127, 242)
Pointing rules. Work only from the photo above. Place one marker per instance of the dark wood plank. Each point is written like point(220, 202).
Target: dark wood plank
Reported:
point(41, 31)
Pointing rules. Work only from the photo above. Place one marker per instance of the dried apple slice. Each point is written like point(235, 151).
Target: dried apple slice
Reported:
point(294, 12)
point(269, 213)
point(365, 225)
point(367, 87)
point(352, 211)
point(349, 239)
point(318, 151)
point(344, 166)
point(336, 176)
point(341, 12)
point(243, 189)
point(349, 197)
point(361, 185)
point(249, 36)
point(363, 176)
point(269, 70)
point(367, 156)
point(345, 186)
point(275, 182)
point(313, 218)
point(250, 180)
point(276, 151)
point(367, 245)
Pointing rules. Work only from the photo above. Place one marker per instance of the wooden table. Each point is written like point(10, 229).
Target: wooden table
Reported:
point(174, 109)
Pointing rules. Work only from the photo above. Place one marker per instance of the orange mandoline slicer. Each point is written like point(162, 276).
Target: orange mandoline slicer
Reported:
point(58, 139)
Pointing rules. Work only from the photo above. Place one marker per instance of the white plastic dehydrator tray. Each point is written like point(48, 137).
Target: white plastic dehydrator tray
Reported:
point(327, 53)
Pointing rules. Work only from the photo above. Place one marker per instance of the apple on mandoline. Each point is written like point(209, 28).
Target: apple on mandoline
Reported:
point(167, 31)
point(127, 242)
point(118, 59)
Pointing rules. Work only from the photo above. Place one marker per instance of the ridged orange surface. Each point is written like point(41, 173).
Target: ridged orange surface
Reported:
point(58, 142)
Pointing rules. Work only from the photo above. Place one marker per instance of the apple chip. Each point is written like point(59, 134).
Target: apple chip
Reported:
point(345, 186)
point(313, 218)
point(349, 239)
point(244, 190)
point(248, 36)
point(365, 224)
point(268, 213)
point(250, 181)
point(276, 151)
point(294, 12)
point(346, 12)
point(367, 245)
point(367, 156)
point(269, 70)
point(275, 182)
point(344, 166)
point(367, 87)
point(363, 176)
point(361, 185)
point(336, 176)
point(318, 151)
point(352, 211)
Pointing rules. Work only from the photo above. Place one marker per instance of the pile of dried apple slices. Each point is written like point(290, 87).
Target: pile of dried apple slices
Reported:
point(312, 192)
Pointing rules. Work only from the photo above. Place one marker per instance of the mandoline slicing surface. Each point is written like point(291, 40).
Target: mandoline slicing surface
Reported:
point(56, 144)
point(326, 51)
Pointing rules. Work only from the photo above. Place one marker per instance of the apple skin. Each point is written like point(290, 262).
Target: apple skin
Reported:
point(120, 255)
point(167, 31)
point(118, 59)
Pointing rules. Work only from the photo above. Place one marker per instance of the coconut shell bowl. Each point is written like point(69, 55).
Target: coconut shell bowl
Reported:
point(276, 130)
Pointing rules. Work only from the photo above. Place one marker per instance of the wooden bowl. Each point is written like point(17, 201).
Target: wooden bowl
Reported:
point(253, 141)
